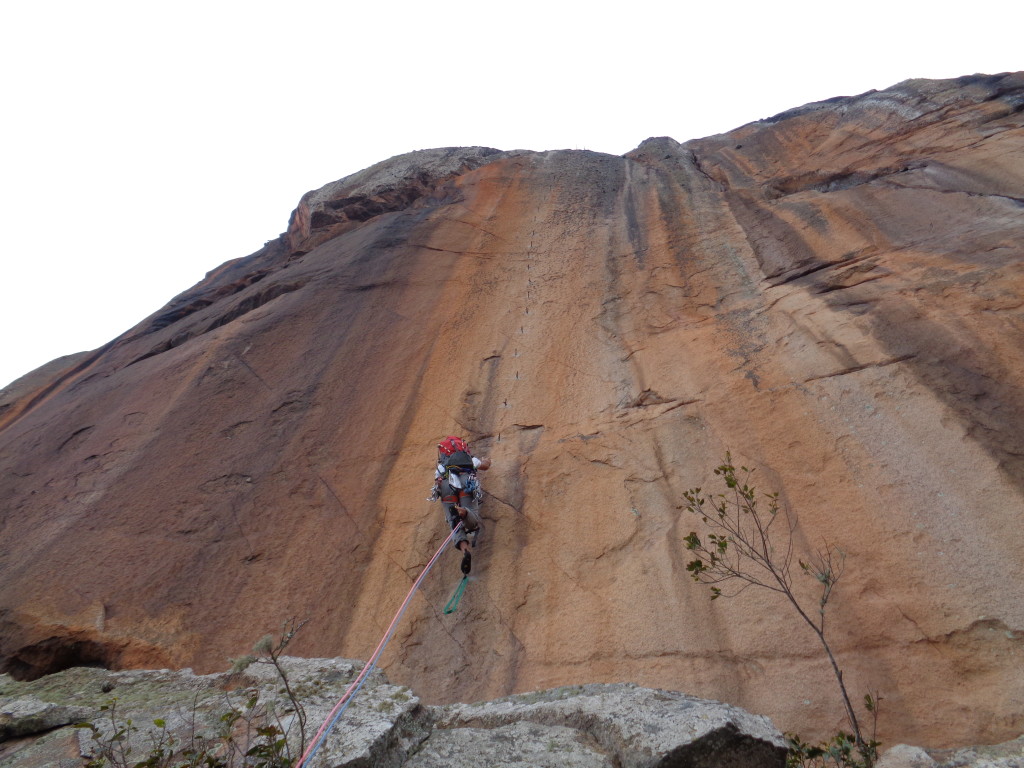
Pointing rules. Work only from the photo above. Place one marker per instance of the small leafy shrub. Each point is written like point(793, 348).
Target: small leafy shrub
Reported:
point(841, 751)
point(245, 740)
point(746, 547)
point(249, 734)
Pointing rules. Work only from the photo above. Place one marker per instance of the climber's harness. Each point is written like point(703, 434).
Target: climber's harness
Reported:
point(457, 483)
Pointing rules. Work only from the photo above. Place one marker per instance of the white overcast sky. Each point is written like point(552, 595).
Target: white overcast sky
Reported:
point(144, 143)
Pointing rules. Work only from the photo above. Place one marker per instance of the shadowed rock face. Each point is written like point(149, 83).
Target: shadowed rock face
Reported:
point(833, 294)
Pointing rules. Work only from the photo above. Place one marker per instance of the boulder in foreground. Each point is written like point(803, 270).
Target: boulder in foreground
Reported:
point(606, 726)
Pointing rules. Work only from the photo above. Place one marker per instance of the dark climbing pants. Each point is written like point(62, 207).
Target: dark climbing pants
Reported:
point(472, 507)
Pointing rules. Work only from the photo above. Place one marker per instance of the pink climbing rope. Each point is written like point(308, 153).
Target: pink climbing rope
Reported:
point(333, 715)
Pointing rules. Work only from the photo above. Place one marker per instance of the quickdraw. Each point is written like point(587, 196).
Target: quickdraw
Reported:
point(453, 603)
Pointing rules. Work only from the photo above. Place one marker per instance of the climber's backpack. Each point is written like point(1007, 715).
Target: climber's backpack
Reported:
point(459, 460)
point(457, 466)
point(450, 445)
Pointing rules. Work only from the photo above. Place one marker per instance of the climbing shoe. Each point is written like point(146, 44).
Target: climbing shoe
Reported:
point(466, 562)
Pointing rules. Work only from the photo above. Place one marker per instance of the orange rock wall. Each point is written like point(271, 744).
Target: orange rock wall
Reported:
point(834, 295)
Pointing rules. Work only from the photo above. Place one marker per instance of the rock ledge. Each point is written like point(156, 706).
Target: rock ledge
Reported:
point(589, 726)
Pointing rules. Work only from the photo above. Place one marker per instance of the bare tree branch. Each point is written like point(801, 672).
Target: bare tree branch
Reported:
point(739, 547)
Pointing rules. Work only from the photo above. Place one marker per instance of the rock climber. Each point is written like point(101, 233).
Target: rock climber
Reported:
point(457, 486)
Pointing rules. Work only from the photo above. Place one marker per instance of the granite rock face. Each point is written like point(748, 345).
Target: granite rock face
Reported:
point(1007, 755)
point(833, 294)
point(28, 715)
point(638, 727)
point(385, 725)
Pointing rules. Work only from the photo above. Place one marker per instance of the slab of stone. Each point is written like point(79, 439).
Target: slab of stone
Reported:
point(382, 725)
point(905, 756)
point(1009, 754)
point(59, 748)
point(641, 727)
point(27, 715)
point(519, 745)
